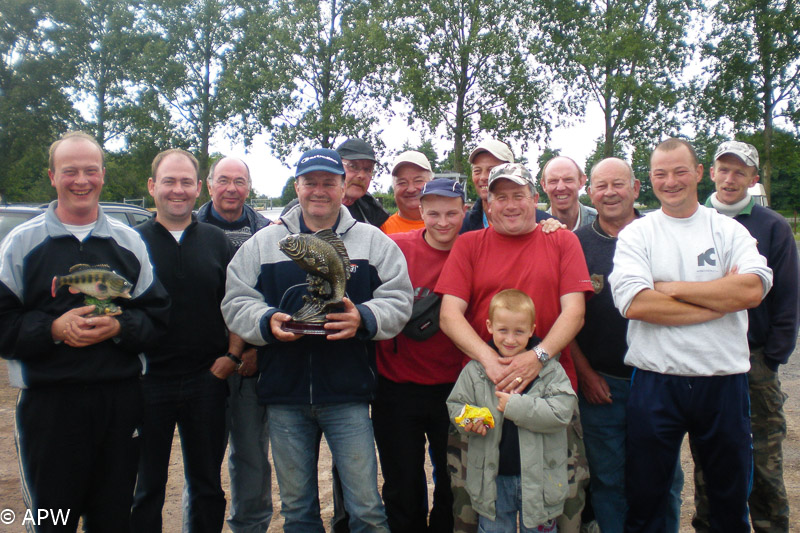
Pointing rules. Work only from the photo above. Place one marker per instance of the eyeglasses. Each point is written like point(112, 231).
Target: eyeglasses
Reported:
point(367, 168)
point(224, 181)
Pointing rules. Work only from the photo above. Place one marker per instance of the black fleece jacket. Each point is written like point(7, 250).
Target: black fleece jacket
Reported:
point(193, 272)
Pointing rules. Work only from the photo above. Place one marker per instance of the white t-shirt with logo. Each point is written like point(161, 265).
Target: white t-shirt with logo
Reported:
point(702, 247)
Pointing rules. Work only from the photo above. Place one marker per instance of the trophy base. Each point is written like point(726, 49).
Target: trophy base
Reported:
point(304, 328)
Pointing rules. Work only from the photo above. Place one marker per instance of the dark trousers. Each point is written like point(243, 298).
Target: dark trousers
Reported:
point(403, 416)
point(78, 449)
point(715, 411)
point(196, 403)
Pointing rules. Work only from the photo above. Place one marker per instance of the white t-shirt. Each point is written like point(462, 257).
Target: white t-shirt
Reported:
point(702, 247)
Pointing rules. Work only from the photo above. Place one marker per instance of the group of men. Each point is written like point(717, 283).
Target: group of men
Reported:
point(650, 324)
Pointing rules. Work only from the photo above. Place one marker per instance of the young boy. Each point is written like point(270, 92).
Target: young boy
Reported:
point(519, 466)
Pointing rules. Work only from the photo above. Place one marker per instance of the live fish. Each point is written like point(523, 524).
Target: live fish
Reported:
point(97, 281)
point(324, 256)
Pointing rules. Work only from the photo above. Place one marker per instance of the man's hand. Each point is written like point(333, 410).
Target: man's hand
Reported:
point(346, 322)
point(503, 400)
point(594, 387)
point(275, 322)
point(549, 225)
point(77, 328)
point(249, 362)
point(521, 370)
point(223, 367)
point(477, 427)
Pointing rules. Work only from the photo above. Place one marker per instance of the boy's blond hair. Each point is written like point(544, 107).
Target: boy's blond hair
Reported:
point(513, 300)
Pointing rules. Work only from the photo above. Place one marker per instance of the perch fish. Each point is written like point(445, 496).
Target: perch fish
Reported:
point(97, 281)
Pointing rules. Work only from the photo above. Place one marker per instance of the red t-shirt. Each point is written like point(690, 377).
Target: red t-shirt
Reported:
point(544, 266)
point(430, 362)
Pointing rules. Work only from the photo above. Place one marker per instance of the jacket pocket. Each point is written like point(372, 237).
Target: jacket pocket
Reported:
point(555, 475)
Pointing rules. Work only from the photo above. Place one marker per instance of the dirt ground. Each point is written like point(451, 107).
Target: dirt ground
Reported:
point(10, 496)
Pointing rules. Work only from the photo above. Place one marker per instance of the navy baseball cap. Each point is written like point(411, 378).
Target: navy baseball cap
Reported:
point(443, 187)
point(322, 159)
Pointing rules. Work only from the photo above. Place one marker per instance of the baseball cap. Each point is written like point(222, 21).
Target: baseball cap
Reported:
point(745, 152)
point(511, 171)
point(323, 159)
point(354, 149)
point(498, 149)
point(413, 157)
point(443, 187)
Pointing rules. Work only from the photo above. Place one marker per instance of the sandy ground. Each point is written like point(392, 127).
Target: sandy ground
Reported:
point(10, 497)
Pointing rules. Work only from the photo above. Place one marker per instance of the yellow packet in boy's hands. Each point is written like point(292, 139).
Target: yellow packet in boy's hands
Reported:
point(471, 414)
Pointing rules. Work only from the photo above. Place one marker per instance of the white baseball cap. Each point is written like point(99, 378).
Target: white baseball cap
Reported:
point(498, 149)
point(415, 158)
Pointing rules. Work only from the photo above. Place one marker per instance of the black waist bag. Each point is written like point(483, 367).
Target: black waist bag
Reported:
point(424, 321)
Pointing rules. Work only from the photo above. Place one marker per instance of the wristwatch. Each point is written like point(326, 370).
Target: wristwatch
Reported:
point(235, 359)
point(543, 356)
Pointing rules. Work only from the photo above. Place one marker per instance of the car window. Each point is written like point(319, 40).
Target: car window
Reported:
point(117, 215)
point(9, 221)
point(138, 218)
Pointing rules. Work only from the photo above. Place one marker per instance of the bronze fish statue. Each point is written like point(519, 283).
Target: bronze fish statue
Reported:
point(99, 283)
point(324, 257)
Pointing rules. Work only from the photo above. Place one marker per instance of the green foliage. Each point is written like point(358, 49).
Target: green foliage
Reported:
point(624, 56)
point(387, 200)
point(308, 78)
point(288, 193)
point(786, 167)
point(461, 64)
point(754, 76)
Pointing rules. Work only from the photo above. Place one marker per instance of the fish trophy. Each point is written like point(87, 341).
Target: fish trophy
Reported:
point(99, 283)
point(324, 257)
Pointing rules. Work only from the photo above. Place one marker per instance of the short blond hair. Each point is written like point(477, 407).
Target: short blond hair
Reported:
point(513, 300)
point(71, 135)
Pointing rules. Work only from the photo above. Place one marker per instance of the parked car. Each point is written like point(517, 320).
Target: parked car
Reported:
point(758, 192)
point(14, 215)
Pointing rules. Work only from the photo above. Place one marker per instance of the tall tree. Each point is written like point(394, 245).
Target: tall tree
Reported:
point(625, 56)
point(754, 77)
point(311, 77)
point(102, 41)
point(198, 38)
point(33, 107)
point(462, 64)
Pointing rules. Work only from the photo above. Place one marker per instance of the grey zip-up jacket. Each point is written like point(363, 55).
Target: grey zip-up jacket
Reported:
point(312, 370)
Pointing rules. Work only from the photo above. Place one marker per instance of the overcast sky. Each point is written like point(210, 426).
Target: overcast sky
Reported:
point(270, 175)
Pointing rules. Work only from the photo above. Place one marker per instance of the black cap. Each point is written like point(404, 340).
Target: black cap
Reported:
point(356, 149)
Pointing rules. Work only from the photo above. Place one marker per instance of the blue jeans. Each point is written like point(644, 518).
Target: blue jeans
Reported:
point(196, 403)
point(348, 432)
point(604, 429)
point(248, 460)
point(508, 507)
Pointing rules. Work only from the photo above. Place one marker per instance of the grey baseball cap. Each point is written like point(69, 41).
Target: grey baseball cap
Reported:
point(745, 152)
point(354, 149)
point(511, 171)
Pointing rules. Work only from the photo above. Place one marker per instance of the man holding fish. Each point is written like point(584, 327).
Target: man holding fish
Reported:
point(313, 383)
point(80, 406)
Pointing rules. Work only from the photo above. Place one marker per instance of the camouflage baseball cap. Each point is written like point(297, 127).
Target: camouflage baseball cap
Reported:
point(511, 171)
point(745, 152)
